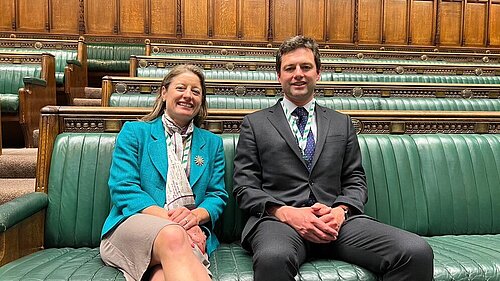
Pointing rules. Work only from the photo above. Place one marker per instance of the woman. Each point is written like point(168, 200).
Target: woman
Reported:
point(167, 187)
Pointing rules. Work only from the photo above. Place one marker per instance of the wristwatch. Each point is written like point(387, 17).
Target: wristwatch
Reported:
point(346, 212)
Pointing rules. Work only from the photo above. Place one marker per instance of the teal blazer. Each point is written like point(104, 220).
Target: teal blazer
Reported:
point(139, 169)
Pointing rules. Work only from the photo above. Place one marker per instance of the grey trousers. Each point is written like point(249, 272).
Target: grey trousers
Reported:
point(392, 253)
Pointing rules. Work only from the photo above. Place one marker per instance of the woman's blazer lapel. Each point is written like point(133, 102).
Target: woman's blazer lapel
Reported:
point(157, 148)
point(199, 157)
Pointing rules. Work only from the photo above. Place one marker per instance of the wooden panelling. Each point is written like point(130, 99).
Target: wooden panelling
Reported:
point(32, 15)
point(476, 15)
point(494, 26)
point(195, 18)
point(395, 22)
point(313, 19)
point(163, 15)
point(419, 23)
point(340, 21)
point(101, 17)
point(254, 15)
point(370, 21)
point(64, 16)
point(285, 19)
point(422, 23)
point(132, 16)
point(225, 19)
point(450, 23)
point(7, 15)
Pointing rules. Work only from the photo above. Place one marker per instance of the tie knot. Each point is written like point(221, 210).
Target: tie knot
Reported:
point(300, 112)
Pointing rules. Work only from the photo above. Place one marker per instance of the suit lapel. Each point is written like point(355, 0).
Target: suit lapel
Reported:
point(199, 157)
point(157, 148)
point(278, 120)
point(323, 123)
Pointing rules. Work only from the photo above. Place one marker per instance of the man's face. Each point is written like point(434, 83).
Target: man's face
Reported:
point(298, 75)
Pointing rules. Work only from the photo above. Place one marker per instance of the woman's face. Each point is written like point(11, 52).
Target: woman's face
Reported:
point(183, 98)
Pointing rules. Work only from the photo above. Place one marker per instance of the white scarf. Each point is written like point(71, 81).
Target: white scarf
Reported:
point(178, 189)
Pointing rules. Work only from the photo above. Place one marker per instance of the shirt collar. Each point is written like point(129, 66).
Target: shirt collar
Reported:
point(290, 106)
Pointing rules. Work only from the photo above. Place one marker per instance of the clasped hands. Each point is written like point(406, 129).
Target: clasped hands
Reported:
point(318, 223)
point(190, 222)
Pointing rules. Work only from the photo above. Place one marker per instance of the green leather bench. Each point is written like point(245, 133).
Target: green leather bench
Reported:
point(70, 62)
point(27, 83)
point(270, 75)
point(234, 102)
point(336, 103)
point(443, 187)
point(107, 57)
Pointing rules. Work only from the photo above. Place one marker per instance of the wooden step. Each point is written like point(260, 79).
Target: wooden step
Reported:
point(86, 102)
point(13, 188)
point(18, 163)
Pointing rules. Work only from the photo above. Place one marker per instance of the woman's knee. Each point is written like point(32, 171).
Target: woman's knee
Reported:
point(172, 238)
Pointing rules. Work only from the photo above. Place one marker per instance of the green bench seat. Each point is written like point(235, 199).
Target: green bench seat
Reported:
point(443, 187)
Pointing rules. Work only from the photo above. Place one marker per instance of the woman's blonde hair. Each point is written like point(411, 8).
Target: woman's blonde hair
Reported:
point(160, 104)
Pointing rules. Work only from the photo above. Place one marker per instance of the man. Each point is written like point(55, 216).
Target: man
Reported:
point(298, 174)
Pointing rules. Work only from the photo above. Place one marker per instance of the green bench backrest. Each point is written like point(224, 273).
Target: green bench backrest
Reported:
point(324, 60)
point(434, 184)
point(337, 103)
point(268, 75)
point(250, 102)
point(61, 57)
point(427, 184)
point(79, 199)
point(215, 74)
point(446, 104)
point(11, 79)
point(409, 78)
point(111, 57)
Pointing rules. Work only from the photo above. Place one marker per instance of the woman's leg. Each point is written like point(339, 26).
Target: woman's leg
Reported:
point(172, 250)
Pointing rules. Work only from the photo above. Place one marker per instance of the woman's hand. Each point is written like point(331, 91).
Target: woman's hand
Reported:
point(198, 237)
point(184, 217)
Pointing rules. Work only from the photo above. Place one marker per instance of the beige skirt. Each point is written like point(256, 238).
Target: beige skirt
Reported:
point(128, 248)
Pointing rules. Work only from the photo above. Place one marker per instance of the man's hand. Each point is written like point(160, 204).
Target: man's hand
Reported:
point(333, 217)
point(198, 237)
point(306, 223)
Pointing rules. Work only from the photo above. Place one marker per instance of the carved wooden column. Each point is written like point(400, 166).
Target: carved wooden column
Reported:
point(81, 17)
point(178, 31)
point(271, 22)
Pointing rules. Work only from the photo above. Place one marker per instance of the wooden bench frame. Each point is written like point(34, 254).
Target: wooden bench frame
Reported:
point(144, 85)
point(75, 72)
point(36, 93)
point(461, 55)
point(360, 66)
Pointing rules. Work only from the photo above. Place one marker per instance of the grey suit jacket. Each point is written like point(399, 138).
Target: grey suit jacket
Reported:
point(269, 168)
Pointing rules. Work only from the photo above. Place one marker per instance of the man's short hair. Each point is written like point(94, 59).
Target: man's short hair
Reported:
point(295, 43)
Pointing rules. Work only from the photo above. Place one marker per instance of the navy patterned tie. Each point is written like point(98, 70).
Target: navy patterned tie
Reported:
point(308, 153)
